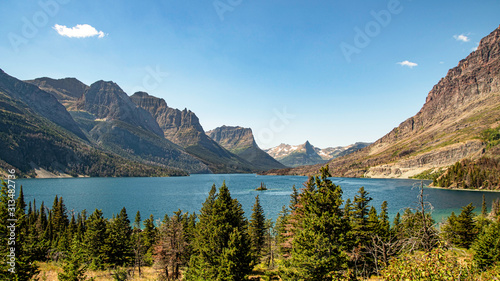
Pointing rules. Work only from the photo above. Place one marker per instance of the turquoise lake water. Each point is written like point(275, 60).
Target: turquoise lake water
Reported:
point(158, 196)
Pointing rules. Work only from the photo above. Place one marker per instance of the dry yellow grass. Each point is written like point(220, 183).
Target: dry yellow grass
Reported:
point(50, 270)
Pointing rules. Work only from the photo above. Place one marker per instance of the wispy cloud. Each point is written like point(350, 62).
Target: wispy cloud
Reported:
point(461, 37)
point(407, 63)
point(78, 31)
point(475, 48)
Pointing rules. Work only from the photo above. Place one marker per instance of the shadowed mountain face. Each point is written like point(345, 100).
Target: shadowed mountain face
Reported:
point(184, 129)
point(40, 102)
point(38, 134)
point(66, 90)
point(448, 128)
point(241, 142)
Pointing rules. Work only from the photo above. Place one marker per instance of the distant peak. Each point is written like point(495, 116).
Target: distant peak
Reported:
point(141, 94)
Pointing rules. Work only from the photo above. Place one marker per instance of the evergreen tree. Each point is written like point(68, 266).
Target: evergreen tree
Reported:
point(221, 246)
point(137, 220)
point(484, 209)
point(95, 240)
point(396, 223)
point(138, 244)
point(348, 209)
point(465, 227)
point(487, 246)
point(373, 223)
point(118, 245)
point(74, 265)
point(449, 228)
point(360, 212)
point(318, 246)
point(18, 263)
point(294, 199)
point(385, 226)
point(257, 230)
point(149, 234)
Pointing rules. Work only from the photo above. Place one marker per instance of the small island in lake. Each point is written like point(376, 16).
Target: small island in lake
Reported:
point(261, 187)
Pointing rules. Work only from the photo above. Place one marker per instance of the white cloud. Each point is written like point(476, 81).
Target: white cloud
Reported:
point(475, 48)
point(78, 31)
point(407, 63)
point(461, 37)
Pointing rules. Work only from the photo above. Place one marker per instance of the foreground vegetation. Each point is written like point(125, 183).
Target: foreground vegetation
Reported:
point(319, 236)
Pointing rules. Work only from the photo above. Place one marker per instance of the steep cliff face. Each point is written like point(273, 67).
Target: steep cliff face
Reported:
point(183, 128)
point(233, 138)
point(107, 101)
point(447, 129)
point(118, 125)
point(241, 142)
point(179, 126)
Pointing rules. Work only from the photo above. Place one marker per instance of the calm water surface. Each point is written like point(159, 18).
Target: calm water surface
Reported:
point(158, 196)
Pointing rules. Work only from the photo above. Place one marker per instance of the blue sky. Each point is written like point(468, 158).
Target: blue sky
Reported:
point(331, 72)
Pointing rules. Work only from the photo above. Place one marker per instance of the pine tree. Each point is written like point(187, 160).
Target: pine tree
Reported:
point(74, 265)
point(318, 246)
point(294, 199)
point(465, 227)
point(138, 244)
point(484, 209)
point(257, 230)
point(487, 246)
point(360, 217)
point(221, 228)
point(449, 228)
point(118, 244)
point(373, 223)
point(149, 234)
point(94, 240)
point(18, 263)
point(385, 226)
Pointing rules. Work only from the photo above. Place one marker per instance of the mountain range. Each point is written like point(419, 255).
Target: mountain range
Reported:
point(62, 127)
point(307, 154)
point(458, 112)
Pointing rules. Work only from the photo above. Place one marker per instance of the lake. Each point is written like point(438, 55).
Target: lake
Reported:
point(158, 196)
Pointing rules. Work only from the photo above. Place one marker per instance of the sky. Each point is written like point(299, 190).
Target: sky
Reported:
point(331, 72)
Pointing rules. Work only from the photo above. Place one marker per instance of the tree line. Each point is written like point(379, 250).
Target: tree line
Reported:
point(319, 236)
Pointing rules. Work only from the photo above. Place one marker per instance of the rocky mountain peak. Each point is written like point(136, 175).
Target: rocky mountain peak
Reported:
point(106, 100)
point(241, 142)
point(173, 122)
point(472, 80)
point(148, 102)
point(233, 138)
point(63, 89)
